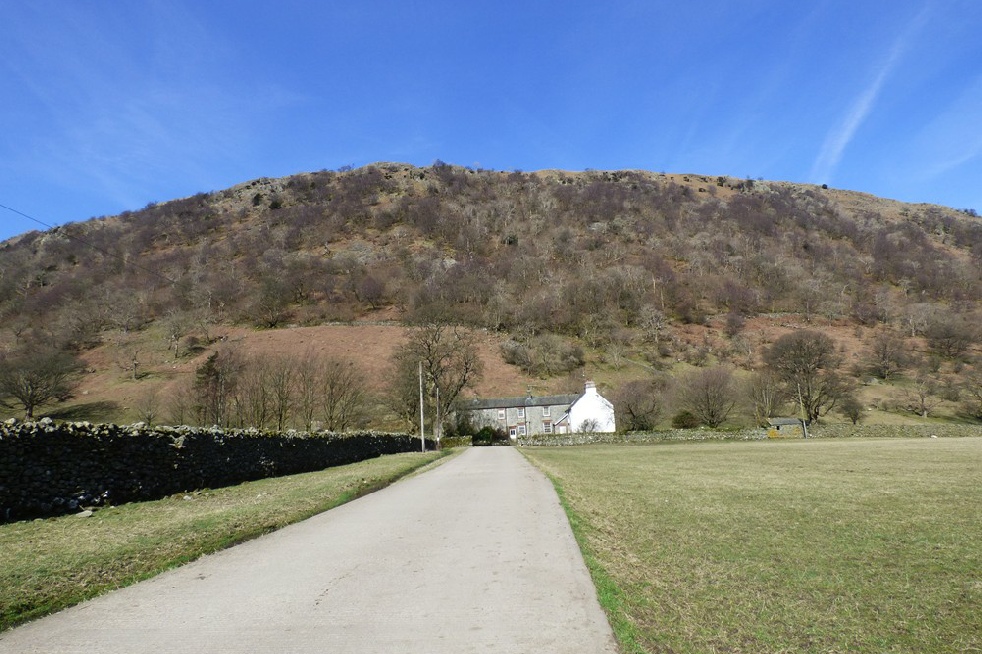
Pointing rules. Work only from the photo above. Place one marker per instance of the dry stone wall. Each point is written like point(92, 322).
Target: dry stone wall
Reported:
point(49, 469)
point(816, 431)
point(588, 438)
point(938, 430)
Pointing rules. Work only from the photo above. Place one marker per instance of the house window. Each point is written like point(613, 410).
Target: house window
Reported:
point(501, 414)
point(521, 430)
point(546, 427)
point(521, 413)
point(545, 411)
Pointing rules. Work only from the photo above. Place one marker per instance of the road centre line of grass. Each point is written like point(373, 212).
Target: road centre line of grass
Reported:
point(48, 565)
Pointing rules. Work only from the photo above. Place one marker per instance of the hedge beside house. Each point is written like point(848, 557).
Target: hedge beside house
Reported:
point(49, 469)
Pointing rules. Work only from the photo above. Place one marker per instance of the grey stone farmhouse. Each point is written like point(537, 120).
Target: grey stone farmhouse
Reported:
point(551, 414)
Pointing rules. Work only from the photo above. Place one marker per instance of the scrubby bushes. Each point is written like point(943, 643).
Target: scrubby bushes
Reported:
point(685, 420)
point(546, 355)
point(488, 435)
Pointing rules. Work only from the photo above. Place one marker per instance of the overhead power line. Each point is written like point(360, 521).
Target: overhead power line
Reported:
point(92, 246)
point(21, 213)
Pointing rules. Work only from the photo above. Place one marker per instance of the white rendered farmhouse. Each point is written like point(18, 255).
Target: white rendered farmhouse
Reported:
point(552, 414)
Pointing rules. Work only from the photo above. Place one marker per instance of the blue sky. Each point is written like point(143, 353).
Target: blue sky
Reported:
point(108, 106)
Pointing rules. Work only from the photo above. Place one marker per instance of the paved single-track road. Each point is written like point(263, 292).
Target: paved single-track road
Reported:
point(475, 555)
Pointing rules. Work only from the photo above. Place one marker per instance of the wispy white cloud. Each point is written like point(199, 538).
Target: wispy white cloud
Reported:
point(124, 108)
point(953, 138)
point(839, 138)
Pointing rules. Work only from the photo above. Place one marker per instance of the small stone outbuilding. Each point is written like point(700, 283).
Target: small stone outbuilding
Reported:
point(786, 428)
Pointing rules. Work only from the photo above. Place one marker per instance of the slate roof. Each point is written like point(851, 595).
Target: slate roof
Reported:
point(510, 402)
point(780, 422)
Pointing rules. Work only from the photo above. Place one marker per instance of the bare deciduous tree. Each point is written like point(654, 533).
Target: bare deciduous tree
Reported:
point(708, 394)
point(270, 306)
point(342, 396)
point(917, 317)
point(852, 408)
point(545, 355)
point(640, 404)
point(308, 389)
point(950, 337)
point(176, 326)
point(282, 383)
point(807, 361)
point(972, 389)
point(37, 375)
point(371, 290)
point(277, 392)
point(652, 323)
point(148, 405)
point(450, 362)
point(887, 355)
point(922, 397)
point(253, 401)
point(180, 404)
point(767, 396)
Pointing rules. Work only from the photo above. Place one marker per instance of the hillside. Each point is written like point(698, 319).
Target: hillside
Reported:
point(640, 270)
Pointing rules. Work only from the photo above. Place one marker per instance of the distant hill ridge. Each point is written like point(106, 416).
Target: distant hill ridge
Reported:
point(565, 252)
point(607, 268)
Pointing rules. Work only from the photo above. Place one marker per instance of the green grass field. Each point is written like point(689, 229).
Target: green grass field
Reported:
point(46, 565)
point(796, 546)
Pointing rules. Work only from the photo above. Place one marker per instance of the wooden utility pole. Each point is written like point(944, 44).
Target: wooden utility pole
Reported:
point(422, 433)
point(804, 416)
point(437, 425)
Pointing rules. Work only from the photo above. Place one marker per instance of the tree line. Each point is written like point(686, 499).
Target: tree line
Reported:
point(275, 392)
point(803, 373)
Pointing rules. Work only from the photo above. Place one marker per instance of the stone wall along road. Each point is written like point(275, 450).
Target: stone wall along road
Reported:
point(475, 555)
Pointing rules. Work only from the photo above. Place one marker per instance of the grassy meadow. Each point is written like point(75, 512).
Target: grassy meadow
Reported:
point(46, 565)
point(790, 546)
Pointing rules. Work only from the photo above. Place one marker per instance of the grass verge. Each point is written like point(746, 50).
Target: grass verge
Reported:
point(48, 565)
point(610, 596)
point(804, 546)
